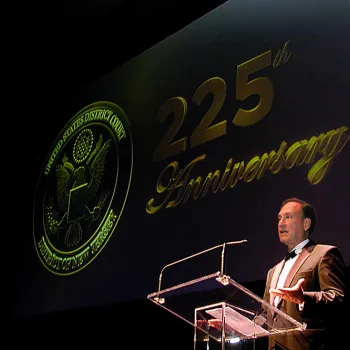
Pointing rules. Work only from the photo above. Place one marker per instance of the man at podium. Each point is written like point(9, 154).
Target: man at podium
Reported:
point(308, 284)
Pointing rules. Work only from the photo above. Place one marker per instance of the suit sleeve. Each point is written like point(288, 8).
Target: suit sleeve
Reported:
point(332, 282)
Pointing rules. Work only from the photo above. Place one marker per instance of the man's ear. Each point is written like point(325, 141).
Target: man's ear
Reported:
point(307, 223)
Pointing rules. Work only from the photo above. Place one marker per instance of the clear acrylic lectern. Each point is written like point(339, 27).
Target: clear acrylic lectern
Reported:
point(221, 309)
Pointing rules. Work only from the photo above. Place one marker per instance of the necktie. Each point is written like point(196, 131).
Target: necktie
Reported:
point(290, 255)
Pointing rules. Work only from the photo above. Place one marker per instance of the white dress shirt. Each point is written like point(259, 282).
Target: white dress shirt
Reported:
point(287, 267)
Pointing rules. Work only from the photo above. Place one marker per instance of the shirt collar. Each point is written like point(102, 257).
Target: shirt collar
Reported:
point(301, 245)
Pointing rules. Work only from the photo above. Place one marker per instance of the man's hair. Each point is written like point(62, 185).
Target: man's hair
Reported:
point(308, 211)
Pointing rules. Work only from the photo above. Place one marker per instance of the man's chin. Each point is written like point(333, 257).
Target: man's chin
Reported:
point(283, 238)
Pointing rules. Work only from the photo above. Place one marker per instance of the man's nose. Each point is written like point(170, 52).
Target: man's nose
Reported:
point(281, 222)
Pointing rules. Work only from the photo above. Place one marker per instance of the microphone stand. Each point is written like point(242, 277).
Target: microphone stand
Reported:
point(222, 258)
point(200, 253)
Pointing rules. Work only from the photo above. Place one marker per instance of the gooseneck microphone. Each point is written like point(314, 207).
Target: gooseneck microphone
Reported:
point(199, 253)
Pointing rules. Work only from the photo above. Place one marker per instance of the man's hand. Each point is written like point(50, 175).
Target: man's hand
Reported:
point(294, 294)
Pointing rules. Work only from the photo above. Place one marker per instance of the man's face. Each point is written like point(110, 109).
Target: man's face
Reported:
point(292, 225)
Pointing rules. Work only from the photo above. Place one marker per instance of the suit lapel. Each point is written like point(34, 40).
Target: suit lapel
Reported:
point(304, 254)
point(274, 278)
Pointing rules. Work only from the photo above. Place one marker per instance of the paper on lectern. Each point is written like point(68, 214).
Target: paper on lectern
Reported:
point(238, 322)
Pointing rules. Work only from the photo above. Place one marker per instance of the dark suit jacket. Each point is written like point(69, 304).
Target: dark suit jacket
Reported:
point(323, 268)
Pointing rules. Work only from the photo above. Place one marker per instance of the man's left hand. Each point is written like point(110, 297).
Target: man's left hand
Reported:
point(294, 294)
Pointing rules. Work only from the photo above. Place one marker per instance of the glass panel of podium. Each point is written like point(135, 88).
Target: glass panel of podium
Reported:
point(222, 310)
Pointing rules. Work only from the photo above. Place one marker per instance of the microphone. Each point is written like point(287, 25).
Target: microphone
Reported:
point(236, 242)
point(200, 253)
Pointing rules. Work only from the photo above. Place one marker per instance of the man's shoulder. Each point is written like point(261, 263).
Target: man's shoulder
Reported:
point(320, 247)
point(323, 249)
point(324, 246)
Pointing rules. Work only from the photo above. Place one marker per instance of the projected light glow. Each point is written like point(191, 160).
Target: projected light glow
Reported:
point(249, 101)
point(174, 182)
point(83, 189)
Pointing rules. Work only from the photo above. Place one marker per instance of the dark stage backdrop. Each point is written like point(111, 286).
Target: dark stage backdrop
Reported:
point(193, 143)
